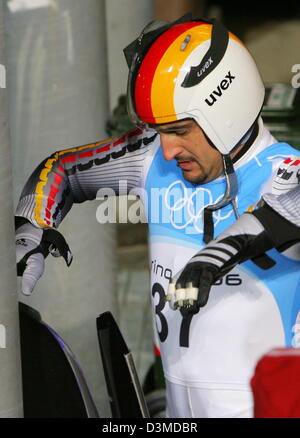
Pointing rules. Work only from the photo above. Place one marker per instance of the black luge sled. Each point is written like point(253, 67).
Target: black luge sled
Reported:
point(123, 386)
point(54, 385)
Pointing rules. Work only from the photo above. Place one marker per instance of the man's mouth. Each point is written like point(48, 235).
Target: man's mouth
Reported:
point(185, 164)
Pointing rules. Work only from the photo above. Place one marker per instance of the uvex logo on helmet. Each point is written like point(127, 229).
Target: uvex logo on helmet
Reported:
point(224, 84)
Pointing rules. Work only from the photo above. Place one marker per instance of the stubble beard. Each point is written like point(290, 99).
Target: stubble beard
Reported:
point(195, 180)
point(200, 179)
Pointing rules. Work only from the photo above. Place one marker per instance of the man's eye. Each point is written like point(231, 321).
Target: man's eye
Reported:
point(177, 132)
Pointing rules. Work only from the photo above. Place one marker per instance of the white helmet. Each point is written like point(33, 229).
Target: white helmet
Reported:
point(195, 68)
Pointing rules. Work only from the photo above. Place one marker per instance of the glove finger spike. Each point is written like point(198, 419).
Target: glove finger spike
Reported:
point(180, 304)
point(191, 293)
point(171, 291)
point(179, 297)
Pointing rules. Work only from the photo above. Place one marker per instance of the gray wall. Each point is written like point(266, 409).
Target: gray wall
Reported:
point(10, 369)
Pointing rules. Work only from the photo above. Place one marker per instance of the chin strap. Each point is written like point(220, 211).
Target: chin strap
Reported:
point(231, 182)
point(263, 261)
point(229, 197)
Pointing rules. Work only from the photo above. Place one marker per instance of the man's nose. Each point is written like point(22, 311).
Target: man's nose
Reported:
point(170, 146)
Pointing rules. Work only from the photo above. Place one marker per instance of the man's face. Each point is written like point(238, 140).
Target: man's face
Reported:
point(185, 142)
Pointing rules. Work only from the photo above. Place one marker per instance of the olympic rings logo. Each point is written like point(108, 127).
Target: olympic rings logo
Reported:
point(186, 206)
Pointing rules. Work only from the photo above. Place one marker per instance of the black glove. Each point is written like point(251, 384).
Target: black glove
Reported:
point(245, 239)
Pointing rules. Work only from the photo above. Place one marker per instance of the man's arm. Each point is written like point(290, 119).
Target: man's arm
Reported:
point(249, 237)
point(71, 176)
point(76, 175)
point(287, 205)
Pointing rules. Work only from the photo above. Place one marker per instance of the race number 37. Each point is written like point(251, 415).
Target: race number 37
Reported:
point(157, 289)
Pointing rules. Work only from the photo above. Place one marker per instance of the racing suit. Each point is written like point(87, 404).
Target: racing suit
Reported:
point(208, 358)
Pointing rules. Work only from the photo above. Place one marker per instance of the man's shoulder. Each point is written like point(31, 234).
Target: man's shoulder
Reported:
point(280, 149)
point(266, 143)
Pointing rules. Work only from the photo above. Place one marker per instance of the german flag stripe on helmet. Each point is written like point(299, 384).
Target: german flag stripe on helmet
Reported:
point(165, 50)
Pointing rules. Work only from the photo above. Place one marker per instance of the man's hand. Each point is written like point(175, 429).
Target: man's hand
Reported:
point(32, 247)
point(245, 239)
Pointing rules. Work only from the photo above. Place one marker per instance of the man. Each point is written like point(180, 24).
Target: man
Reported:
point(200, 157)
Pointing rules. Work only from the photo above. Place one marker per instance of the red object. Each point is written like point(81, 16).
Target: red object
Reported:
point(103, 149)
point(68, 159)
point(276, 384)
point(86, 154)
